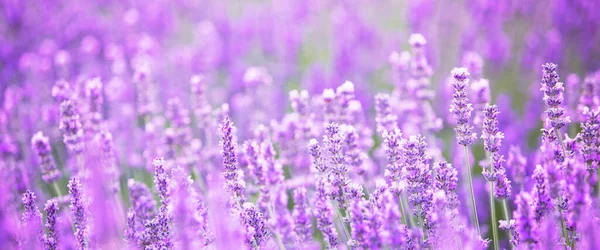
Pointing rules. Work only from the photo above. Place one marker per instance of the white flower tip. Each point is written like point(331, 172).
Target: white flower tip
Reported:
point(417, 40)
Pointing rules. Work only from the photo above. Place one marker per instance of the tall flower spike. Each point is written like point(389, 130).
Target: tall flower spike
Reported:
point(70, 125)
point(542, 202)
point(392, 174)
point(517, 163)
point(526, 225)
point(51, 239)
point(31, 221)
point(256, 230)
point(234, 182)
point(61, 91)
point(333, 143)
point(41, 146)
point(324, 215)
point(80, 212)
point(446, 180)
point(142, 202)
point(301, 214)
point(384, 118)
point(461, 107)
point(93, 91)
point(553, 96)
point(590, 130)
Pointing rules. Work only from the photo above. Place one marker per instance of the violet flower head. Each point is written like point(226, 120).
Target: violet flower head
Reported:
point(31, 222)
point(80, 213)
point(254, 222)
point(302, 215)
point(553, 96)
point(41, 146)
point(142, 201)
point(93, 91)
point(590, 130)
point(384, 118)
point(345, 94)
point(323, 213)
point(446, 179)
point(526, 225)
point(492, 138)
point(473, 61)
point(392, 174)
point(588, 98)
point(317, 156)
point(417, 173)
point(70, 125)
point(502, 187)
point(517, 163)
point(161, 180)
point(461, 107)
point(234, 182)
point(61, 91)
point(51, 238)
point(542, 202)
point(330, 105)
point(333, 142)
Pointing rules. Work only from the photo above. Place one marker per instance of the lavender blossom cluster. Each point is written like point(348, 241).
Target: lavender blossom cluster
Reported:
point(299, 125)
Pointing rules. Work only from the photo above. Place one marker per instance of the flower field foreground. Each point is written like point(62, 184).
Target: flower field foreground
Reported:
point(299, 124)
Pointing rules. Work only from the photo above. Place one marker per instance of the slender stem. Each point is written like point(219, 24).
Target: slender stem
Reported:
point(57, 189)
point(474, 207)
point(277, 235)
point(341, 219)
point(562, 219)
point(402, 210)
point(493, 210)
point(422, 222)
point(492, 205)
point(411, 218)
point(507, 218)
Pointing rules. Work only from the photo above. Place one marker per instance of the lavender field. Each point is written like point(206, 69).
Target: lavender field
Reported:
point(299, 124)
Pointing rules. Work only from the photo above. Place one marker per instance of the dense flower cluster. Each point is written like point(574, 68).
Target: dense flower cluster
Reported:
point(299, 125)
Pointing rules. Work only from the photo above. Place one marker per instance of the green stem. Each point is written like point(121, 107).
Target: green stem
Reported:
point(277, 235)
point(493, 210)
point(565, 234)
point(341, 219)
point(474, 207)
point(492, 205)
point(507, 218)
point(57, 189)
point(411, 218)
point(402, 210)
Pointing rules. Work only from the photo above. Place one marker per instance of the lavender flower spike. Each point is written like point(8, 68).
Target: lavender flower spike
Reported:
point(70, 125)
point(41, 146)
point(256, 230)
point(526, 225)
point(51, 239)
point(234, 182)
point(80, 213)
point(461, 107)
point(553, 97)
point(32, 232)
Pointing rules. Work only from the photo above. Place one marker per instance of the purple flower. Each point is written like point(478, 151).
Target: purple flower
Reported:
point(339, 172)
point(80, 213)
point(324, 215)
point(315, 151)
point(234, 182)
point(41, 146)
point(492, 138)
point(61, 91)
point(201, 108)
point(446, 180)
point(110, 166)
point(590, 130)
point(392, 174)
point(517, 163)
point(384, 118)
point(525, 222)
point(142, 205)
point(93, 91)
point(353, 154)
point(302, 215)
point(553, 96)
point(32, 233)
point(51, 238)
point(70, 125)
point(461, 107)
point(542, 202)
point(254, 222)
point(161, 180)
